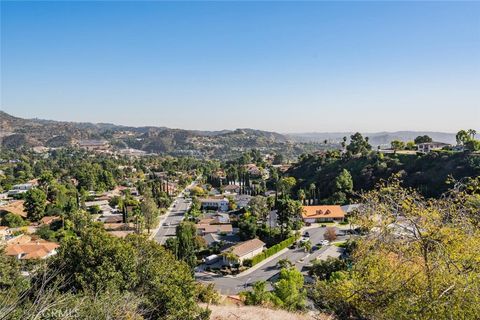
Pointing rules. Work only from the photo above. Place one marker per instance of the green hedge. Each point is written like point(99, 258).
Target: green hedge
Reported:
point(270, 251)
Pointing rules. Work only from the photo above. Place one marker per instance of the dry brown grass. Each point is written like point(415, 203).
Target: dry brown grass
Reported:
point(233, 312)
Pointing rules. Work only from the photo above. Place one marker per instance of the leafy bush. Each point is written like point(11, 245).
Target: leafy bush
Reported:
point(12, 221)
point(271, 251)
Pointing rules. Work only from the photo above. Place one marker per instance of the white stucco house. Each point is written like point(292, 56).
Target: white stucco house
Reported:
point(215, 204)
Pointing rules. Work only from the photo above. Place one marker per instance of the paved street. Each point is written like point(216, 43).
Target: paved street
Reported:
point(172, 219)
point(229, 285)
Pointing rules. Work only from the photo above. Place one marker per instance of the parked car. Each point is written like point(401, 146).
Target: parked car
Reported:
point(306, 234)
point(211, 259)
point(323, 226)
point(166, 224)
point(315, 248)
point(325, 242)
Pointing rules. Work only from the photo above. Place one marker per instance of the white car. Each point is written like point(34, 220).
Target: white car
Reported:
point(325, 242)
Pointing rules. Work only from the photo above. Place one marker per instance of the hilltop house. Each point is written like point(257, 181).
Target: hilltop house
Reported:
point(313, 214)
point(431, 146)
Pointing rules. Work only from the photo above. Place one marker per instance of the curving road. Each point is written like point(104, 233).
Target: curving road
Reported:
point(268, 271)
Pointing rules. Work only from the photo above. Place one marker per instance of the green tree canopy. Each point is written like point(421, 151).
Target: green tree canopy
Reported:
point(358, 144)
point(35, 203)
point(422, 139)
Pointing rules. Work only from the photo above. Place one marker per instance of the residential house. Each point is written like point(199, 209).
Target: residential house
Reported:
point(26, 248)
point(327, 213)
point(132, 152)
point(242, 200)
point(431, 146)
point(113, 218)
point(203, 229)
point(15, 207)
point(253, 170)
point(231, 189)
point(94, 145)
point(215, 204)
point(104, 206)
point(20, 188)
point(215, 218)
point(226, 241)
point(48, 220)
point(242, 251)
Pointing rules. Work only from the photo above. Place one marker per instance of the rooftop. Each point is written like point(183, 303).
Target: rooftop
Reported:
point(246, 247)
point(314, 212)
point(15, 207)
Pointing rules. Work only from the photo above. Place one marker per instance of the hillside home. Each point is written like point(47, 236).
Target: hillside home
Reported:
point(94, 145)
point(431, 146)
point(312, 214)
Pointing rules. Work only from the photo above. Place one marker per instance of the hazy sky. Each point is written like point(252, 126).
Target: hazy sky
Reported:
point(283, 66)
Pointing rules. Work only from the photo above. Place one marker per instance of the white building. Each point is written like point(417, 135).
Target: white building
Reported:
point(20, 188)
point(431, 146)
point(215, 204)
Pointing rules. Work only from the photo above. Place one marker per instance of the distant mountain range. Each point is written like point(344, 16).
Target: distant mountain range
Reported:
point(375, 138)
point(17, 132)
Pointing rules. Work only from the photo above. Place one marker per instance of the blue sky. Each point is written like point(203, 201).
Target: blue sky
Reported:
point(282, 66)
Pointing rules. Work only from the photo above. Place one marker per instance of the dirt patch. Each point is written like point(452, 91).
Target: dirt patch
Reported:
point(232, 312)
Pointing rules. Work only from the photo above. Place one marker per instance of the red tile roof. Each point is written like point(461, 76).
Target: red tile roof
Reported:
point(317, 212)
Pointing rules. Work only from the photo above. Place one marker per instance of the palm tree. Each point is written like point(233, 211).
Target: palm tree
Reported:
point(472, 133)
point(307, 245)
point(312, 192)
point(301, 195)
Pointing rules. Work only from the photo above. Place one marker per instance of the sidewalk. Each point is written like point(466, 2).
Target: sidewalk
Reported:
point(260, 264)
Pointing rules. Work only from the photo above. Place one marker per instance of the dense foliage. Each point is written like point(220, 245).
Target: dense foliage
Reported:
point(324, 177)
point(420, 259)
point(95, 270)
